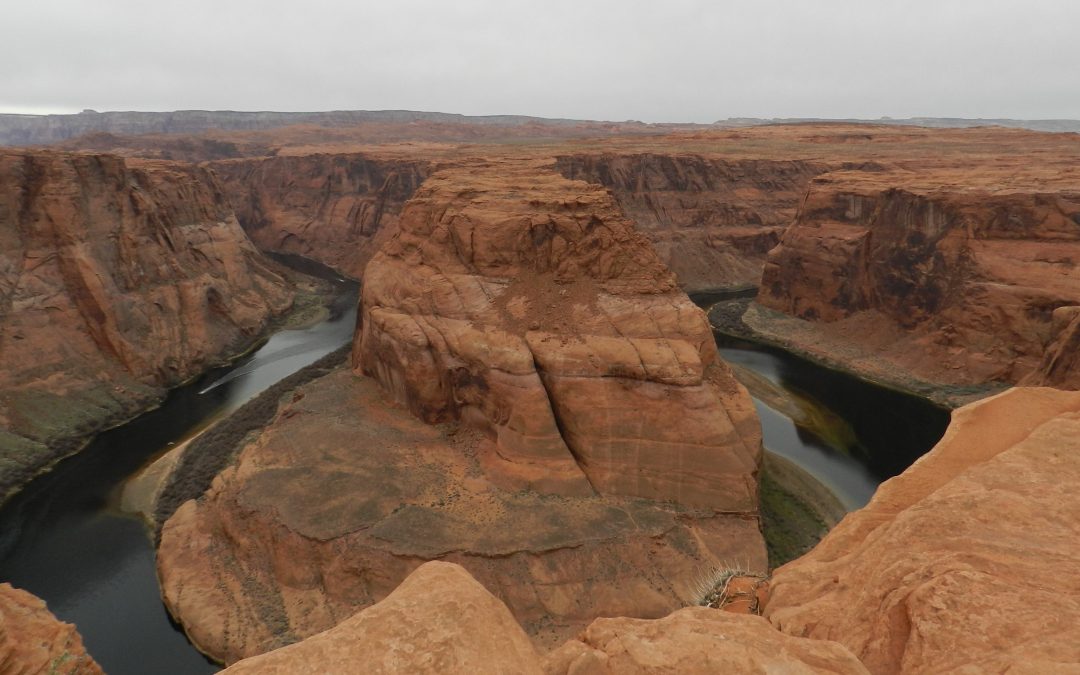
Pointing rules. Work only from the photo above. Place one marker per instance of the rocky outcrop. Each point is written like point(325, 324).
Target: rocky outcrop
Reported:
point(118, 279)
point(526, 304)
point(711, 220)
point(336, 209)
point(966, 562)
point(33, 641)
point(342, 496)
point(548, 351)
point(695, 640)
point(959, 278)
point(439, 620)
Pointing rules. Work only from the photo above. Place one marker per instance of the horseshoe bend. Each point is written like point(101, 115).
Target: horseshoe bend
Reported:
point(605, 401)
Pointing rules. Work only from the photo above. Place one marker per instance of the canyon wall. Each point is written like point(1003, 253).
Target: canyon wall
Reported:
point(958, 277)
point(34, 642)
point(118, 279)
point(533, 399)
point(966, 562)
point(711, 220)
point(333, 208)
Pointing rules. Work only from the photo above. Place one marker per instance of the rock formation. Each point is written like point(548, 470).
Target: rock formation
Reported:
point(33, 641)
point(332, 208)
point(586, 454)
point(525, 303)
point(711, 220)
point(695, 640)
point(117, 279)
point(958, 277)
point(966, 562)
point(440, 620)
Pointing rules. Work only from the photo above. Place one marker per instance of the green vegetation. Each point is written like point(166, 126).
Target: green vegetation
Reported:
point(791, 526)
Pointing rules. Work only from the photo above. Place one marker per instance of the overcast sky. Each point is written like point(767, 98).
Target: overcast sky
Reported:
point(664, 60)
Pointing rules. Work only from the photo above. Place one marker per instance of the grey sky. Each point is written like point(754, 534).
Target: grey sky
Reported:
point(670, 60)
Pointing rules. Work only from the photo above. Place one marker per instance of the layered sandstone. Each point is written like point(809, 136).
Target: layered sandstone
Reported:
point(711, 220)
point(966, 562)
point(526, 304)
point(440, 620)
point(334, 208)
point(958, 277)
point(696, 640)
point(117, 279)
point(33, 641)
point(565, 431)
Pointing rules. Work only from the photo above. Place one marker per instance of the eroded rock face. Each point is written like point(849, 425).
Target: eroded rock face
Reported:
point(695, 640)
point(956, 276)
point(710, 220)
point(564, 430)
point(524, 303)
point(33, 641)
point(117, 279)
point(967, 560)
point(335, 208)
point(439, 620)
point(343, 496)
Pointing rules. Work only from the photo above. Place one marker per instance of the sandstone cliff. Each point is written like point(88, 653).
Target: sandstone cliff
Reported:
point(527, 304)
point(711, 220)
point(586, 452)
point(966, 562)
point(441, 621)
point(959, 278)
point(33, 641)
point(117, 279)
point(332, 208)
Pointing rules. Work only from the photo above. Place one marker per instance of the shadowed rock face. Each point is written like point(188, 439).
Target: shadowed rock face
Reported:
point(33, 641)
point(961, 278)
point(566, 432)
point(332, 208)
point(526, 304)
point(117, 279)
point(710, 220)
point(967, 560)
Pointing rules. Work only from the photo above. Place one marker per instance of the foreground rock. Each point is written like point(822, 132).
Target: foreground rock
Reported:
point(959, 276)
point(439, 620)
point(33, 641)
point(696, 640)
point(968, 561)
point(549, 352)
point(118, 279)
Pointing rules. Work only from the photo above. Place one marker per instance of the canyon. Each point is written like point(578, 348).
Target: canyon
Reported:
point(118, 279)
point(534, 417)
point(518, 348)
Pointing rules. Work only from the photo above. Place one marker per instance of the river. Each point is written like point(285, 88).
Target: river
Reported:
point(65, 539)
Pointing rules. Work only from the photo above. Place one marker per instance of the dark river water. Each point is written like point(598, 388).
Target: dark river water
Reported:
point(65, 539)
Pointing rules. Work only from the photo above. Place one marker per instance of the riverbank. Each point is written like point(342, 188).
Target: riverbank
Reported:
point(797, 510)
point(743, 318)
point(73, 426)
